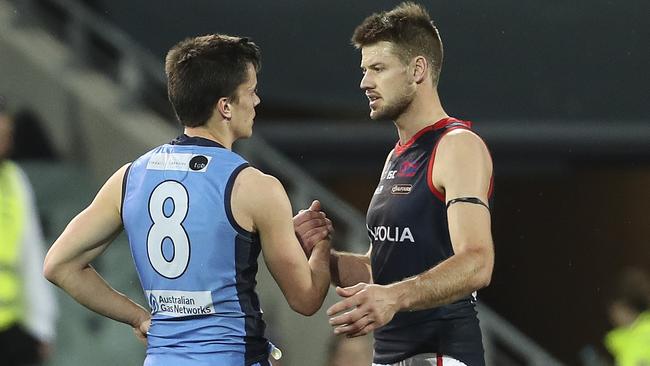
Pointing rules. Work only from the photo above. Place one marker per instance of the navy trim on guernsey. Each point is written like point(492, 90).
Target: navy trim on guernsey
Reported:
point(473, 200)
point(124, 182)
point(195, 140)
point(247, 250)
point(226, 200)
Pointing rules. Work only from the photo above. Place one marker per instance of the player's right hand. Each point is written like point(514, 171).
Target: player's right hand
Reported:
point(312, 226)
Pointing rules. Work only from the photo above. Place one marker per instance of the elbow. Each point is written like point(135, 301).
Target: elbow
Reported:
point(307, 304)
point(484, 275)
point(53, 271)
point(306, 308)
point(483, 280)
point(483, 270)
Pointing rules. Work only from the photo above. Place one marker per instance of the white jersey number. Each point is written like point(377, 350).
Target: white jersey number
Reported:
point(168, 227)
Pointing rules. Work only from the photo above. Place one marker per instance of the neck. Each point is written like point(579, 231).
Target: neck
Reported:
point(424, 110)
point(215, 131)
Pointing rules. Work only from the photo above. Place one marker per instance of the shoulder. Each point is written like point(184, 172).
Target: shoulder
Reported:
point(20, 173)
point(257, 198)
point(26, 189)
point(120, 173)
point(253, 185)
point(461, 138)
point(112, 189)
point(461, 153)
point(462, 145)
point(254, 178)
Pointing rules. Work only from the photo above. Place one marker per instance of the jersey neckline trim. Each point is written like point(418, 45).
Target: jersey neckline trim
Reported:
point(399, 148)
point(195, 140)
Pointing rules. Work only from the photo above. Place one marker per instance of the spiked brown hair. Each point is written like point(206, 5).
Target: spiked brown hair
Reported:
point(409, 27)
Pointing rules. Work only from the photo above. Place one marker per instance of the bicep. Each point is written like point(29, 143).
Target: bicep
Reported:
point(469, 227)
point(273, 221)
point(464, 170)
point(270, 210)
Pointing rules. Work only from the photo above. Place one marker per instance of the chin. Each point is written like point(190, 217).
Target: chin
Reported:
point(378, 115)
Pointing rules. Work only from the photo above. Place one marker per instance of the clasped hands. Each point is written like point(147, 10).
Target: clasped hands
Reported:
point(365, 307)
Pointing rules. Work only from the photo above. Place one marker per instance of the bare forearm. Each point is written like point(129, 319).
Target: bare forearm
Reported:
point(451, 280)
point(88, 288)
point(319, 262)
point(348, 269)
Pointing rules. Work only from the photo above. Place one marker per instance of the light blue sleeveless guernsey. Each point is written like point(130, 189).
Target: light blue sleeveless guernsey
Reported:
point(197, 267)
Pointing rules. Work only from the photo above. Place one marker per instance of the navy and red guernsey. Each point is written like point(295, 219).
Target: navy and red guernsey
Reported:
point(407, 225)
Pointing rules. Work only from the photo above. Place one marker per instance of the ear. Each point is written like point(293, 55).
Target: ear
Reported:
point(223, 107)
point(420, 69)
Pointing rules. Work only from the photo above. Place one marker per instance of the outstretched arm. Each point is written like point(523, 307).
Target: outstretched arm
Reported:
point(260, 203)
point(67, 263)
point(349, 269)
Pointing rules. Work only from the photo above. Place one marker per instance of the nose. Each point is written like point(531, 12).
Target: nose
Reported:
point(366, 82)
point(257, 100)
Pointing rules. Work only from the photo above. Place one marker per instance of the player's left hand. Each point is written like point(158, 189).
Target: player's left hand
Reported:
point(141, 330)
point(368, 308)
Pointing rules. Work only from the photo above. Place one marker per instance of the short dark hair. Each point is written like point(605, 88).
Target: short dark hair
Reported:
point(409, 27)
point(201, 70)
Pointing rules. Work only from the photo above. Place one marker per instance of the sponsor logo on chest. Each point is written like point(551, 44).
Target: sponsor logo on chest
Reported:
point(391, 234)
point(401, 189)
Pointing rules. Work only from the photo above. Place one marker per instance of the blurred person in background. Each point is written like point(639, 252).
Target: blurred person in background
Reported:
point(28, 306)
point(197, 217)
point(31, 141)
point(429, 224)
point(344, 351)
point(629, 313)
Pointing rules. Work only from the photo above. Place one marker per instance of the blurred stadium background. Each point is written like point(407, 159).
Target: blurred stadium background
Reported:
point(558, 89)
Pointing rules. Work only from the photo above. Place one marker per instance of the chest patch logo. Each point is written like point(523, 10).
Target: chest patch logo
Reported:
point(401, 189)
point(408, 169)
point(199, 162)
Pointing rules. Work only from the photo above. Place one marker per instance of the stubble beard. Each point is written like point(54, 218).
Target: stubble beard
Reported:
point(394, 110)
